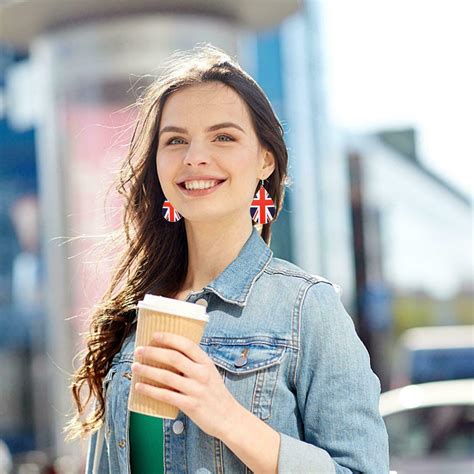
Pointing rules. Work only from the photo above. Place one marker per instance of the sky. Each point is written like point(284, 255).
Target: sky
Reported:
point(400, 63)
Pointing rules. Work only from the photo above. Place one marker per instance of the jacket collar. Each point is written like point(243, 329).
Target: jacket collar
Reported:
point(236, 280)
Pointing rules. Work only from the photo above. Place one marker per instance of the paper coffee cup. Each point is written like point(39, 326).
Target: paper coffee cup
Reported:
point(161, 314)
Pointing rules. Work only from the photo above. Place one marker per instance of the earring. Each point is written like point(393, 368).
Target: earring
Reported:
point(169, 212)
point(262, 209)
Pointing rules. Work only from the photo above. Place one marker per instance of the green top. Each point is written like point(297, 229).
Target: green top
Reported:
point(146, 444)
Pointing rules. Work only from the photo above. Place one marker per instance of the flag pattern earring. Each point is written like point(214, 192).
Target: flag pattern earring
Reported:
point(262, 209)
point(169, 212)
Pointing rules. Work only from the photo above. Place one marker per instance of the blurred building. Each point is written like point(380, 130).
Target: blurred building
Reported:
point(21, 311)
point(366, 213)
point(86, 62)
point(412, 244)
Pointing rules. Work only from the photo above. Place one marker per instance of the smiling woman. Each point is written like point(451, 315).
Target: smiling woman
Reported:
point(217, 144)
point(280, 381)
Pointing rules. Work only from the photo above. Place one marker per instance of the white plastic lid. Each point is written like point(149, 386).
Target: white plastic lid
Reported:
point(173, 306)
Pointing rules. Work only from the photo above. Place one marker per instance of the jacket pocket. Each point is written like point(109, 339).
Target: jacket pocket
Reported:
point(250, 371)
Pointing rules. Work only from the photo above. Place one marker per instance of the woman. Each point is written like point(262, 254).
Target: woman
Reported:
point(280, 381)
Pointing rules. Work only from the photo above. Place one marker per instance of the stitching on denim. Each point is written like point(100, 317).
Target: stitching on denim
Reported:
point(165, 465)
point(293, 273)
point(127, 436)
point(186, 428)
point(219, 455)
point(295, 341)
point(107, 379)
point(167, 446)
point(265, 373)
point(259, 366)
point(244, 341)
point(272, 397)
point(256, 395)
point(265, 261)
point(227, 300)
point(300, 308)
point(300, 301)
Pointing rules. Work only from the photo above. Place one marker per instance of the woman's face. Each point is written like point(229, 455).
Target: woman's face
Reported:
point(206, 131)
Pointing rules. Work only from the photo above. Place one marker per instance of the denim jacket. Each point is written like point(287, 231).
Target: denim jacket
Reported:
point(306, 374)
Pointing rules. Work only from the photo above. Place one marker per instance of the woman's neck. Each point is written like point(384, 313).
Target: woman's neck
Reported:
point(211, 249)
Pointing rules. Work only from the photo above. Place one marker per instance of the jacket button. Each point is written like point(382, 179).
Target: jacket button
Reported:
point(122, 443)
point(178, 427)
point(241, 361)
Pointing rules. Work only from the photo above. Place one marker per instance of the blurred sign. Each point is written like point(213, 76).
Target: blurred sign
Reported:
point(19, 99)
point(377, 305)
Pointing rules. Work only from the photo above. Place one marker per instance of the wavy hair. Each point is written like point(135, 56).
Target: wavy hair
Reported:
point(155, 255)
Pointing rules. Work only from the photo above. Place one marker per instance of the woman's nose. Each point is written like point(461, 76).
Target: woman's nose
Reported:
point(196, 154)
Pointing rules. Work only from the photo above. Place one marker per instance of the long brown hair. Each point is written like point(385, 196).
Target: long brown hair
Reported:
point(155, 254)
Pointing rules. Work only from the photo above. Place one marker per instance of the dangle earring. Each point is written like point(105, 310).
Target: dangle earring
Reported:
point(262, 209)
point(169, 212)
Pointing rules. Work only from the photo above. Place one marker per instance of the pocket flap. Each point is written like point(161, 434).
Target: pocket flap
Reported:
point(241, 358)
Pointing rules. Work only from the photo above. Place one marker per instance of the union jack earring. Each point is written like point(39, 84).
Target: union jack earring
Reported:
point(262, 209)
point(169, 212)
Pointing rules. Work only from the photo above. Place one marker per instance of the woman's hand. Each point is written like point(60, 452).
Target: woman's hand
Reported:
point(199, 391)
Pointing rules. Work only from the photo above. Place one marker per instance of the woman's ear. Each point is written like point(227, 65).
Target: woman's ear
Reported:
point(268, 164)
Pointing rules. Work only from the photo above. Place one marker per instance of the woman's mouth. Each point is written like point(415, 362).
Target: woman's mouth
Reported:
point(200, 192)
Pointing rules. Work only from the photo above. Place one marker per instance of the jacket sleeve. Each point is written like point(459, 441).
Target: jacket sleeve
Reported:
point(337, 395)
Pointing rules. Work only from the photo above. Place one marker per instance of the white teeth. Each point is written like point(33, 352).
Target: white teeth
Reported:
point(200, 184)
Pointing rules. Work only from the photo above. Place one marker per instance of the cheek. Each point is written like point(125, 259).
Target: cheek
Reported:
point(159, 170)
point(164, 170)
point(244, 189)
point(248, 175)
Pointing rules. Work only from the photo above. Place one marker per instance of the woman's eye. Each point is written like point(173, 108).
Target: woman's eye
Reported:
point(171, 140)
point(230, 139)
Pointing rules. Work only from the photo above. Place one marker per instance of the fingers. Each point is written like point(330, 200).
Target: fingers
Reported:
point(182, 401)
point(182, 344)
point(163, 376)
point(165, 356)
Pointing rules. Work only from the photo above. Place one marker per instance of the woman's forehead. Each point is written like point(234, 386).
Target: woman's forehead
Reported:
point(208, 102)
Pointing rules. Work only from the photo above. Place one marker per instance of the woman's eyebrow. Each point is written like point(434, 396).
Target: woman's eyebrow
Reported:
point(212, 128)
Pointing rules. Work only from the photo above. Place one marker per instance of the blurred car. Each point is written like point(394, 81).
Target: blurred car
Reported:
point(431, 427)
point(428, 354)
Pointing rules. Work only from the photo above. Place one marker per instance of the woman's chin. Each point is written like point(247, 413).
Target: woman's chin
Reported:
point(210, 216)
